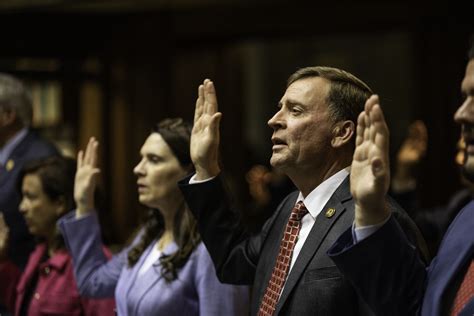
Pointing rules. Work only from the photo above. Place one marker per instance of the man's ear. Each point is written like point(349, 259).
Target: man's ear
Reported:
point(342, 133)
point(7, 117)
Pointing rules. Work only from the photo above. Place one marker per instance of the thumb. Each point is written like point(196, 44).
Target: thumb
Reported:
point(215, 122)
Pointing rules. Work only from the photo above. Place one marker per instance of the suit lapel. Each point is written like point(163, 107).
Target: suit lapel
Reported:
point(17, 156)
point(316, 236)
point(454, 253)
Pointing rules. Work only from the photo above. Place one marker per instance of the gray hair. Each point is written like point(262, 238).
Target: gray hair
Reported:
point(15, 97)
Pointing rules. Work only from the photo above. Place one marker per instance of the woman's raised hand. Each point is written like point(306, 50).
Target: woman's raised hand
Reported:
point(86, 177)
point(4, 234)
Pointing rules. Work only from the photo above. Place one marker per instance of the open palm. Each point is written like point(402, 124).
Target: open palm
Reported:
point(370, 174)
point(4, 234)
point(205, 135)
point(85, 180)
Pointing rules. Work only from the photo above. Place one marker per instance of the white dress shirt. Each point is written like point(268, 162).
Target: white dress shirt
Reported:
point(314, 203)
point(152, 257)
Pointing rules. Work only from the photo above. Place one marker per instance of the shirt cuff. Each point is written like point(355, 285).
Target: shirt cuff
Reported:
point(361, 233)
point(194, 181)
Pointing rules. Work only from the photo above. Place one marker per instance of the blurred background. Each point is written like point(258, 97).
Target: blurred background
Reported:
point(114, 68)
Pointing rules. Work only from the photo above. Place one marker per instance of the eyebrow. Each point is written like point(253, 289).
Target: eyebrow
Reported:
point(292, 103)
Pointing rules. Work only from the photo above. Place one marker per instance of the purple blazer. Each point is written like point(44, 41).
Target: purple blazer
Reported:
point(196, 291)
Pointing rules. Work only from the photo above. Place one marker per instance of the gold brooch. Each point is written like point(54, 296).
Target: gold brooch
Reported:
point(330, 212)
point(10, 164)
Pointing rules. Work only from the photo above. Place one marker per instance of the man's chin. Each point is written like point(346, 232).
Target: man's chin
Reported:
point(276, 162)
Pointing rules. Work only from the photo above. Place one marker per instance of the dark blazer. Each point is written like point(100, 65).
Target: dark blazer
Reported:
point(21, 243)
point(315, 286)
point(388, 257)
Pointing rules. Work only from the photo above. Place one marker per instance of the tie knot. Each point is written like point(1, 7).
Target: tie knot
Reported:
point(299, 210)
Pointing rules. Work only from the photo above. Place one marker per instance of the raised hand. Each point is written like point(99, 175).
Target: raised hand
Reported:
point(370, 171)
point(411, 152)
point(205, 136)
point(86, 177)
point(414, 146)
point(4, 234)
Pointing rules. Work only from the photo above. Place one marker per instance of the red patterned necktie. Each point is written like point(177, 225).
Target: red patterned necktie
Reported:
point(283, 261)
point(465, 292)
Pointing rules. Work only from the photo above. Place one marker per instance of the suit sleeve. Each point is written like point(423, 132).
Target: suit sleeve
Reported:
point(96, 275)
point(234, 252)
point(216, 298)
point(385, 268)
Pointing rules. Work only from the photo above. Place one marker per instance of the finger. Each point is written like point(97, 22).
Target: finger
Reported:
point(87, 152)
point(360, 129)
point(382, 136)
point(367, 127)
point(418, 130)
point(215, 123)
point(80, 156)
point(371, 101)
point(90, 151)
point(210, 98)
point(95, 172)
point(367, 123)
point(374, 101)
point(4, 230)
point(199, 103)
point(95, 154)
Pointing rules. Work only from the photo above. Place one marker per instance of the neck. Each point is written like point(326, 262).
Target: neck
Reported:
point(6, 134)
point(306, 183)
point(51, 243)
point(168, 210)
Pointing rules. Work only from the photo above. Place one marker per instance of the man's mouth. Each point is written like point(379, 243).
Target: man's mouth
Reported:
point(277, 141)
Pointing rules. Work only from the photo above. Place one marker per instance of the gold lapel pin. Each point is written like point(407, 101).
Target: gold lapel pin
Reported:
point(330, 212)
point(10, 164)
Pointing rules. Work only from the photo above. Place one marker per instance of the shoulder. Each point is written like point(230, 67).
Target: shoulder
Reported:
point(200, 253)
point(39, 142)
point(463, 222)
point(37, 145)
point(200, 260)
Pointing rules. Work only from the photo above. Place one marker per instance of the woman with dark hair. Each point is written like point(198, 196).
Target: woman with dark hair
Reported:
point(47, 285)
point(167, 269)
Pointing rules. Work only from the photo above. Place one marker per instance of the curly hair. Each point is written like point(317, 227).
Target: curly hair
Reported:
point(176, 134)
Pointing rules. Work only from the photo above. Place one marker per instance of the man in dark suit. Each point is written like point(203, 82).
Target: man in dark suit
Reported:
point(384, 256)
point(313, 144)
point(18, 144)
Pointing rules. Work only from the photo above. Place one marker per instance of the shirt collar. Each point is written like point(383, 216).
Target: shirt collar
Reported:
point(7, 149)
point(59, 259)
point(320, 195)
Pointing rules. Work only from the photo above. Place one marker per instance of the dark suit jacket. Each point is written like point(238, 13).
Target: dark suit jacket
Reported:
point(21, 242)
point(388, 258)
point(315, 286)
